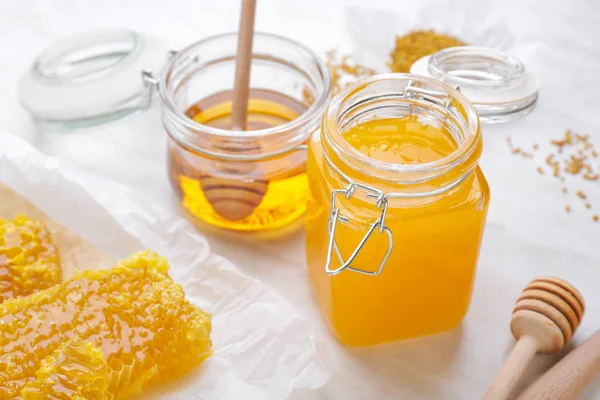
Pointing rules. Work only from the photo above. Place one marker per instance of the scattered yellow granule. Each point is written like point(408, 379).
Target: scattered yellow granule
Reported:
point(134, 313)
point(572, 156)
point(76, 370)
point(29, 260)
point(343, 71)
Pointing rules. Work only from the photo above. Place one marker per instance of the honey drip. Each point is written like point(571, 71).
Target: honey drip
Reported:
point(269, 202)
point(29, 260)
point(134, 313)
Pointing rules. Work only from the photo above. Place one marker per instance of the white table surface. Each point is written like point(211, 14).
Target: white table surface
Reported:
point(528, 232)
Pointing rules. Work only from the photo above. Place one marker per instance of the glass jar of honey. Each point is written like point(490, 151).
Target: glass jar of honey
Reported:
point(245, 181)
point(397, 209)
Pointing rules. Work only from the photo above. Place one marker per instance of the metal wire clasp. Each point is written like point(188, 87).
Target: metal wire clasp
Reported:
point(379, 224)
point(151, 81)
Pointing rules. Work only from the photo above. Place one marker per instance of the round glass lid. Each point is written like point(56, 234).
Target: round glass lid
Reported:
point(497, 84)
point(91, 78)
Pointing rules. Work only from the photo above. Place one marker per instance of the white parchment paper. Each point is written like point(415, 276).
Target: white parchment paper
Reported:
point(262, 347)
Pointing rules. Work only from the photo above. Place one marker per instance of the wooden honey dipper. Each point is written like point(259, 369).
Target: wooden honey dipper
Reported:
point(544, 319)
point(236, 199)
point(569, 378)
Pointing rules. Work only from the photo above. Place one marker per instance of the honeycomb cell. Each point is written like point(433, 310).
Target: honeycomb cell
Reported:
point(29, 260)
point(134, 313)
point(77, 370)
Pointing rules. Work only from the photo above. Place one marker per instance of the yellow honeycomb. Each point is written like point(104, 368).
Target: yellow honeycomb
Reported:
point(75, 371)
point(29, 260)
point(134, 313)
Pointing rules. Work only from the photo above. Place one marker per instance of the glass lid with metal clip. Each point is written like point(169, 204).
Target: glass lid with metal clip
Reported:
point(90, 79)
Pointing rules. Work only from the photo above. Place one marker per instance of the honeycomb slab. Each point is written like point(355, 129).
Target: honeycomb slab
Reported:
point(29, 260)
point(75, 371)
point(134, 313)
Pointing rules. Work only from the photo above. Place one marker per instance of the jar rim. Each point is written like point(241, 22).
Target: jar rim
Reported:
point(294, 124)
point(462, 152)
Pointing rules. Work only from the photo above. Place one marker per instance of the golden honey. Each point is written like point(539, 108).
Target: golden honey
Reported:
point(218, 196)
point(433, 220)
point(77, 370)
point(247, 183)
point(134, 313)
point(29, 260)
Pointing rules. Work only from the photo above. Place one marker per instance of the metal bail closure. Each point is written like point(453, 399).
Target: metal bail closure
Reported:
point(335, 216)
point(151, 83)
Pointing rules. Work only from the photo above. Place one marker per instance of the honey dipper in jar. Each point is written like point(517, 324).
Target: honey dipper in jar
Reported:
point(235, 199)
point(242, 168)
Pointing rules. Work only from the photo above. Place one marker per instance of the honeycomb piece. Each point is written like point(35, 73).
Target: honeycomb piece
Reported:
point(76, 370)
point(139, 318)
point(29, 260)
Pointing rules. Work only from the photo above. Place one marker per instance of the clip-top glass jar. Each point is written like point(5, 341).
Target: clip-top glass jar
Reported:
point(245, 181)
point(397, 209)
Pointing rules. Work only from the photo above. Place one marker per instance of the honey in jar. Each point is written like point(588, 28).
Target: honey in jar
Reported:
point(252, 180)
point(397, 209)
point(242, 204)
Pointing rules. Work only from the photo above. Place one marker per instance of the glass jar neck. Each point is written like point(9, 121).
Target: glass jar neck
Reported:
point(206, 68)
point(397, 96)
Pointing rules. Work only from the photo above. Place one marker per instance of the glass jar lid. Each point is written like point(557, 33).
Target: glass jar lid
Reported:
point(91, 78)
point(497, 83)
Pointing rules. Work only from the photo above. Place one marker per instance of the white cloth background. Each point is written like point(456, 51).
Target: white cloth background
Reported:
point(528, 232)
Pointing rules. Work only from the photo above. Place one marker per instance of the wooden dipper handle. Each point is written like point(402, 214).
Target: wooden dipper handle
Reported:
point(545, 317)
point(567, 379)
point(236, 199)
point(512, 369)
point(243, 62)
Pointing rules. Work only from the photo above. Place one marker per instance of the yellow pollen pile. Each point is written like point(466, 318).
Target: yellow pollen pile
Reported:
point(418, 44)
point(408, 49)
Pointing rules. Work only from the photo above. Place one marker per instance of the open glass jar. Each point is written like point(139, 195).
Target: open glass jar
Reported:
point(392, 247)
point(253, 180)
